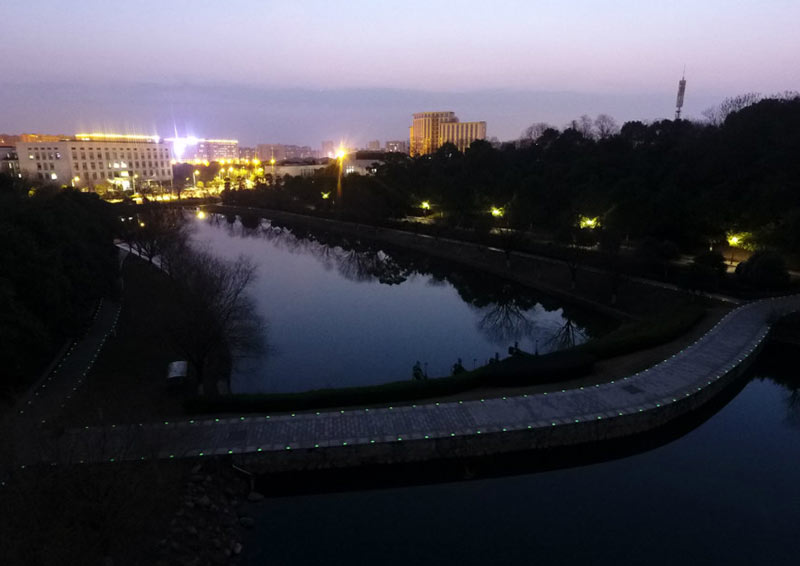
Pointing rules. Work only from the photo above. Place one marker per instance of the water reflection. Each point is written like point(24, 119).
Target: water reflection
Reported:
point(507, 311)
point(779, 363)
point(347, 311)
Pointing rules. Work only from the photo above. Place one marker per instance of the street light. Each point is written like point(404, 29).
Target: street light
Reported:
point(75, 180)
point(194, 180)
point(340, 155)
point(497, 212)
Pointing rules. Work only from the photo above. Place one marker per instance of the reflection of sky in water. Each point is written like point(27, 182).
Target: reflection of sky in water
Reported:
point(333, 324)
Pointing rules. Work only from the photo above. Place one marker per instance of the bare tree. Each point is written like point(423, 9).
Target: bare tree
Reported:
point(584, 125)
point(535, 131)
point(158, 230)
point(212, 319)
point(605, 126)
point(716, 114)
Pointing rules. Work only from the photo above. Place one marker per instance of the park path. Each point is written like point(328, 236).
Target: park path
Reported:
point(682, 377)
point(31, 416)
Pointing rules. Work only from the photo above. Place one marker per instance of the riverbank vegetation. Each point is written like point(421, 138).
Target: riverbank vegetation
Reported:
point(660, 189)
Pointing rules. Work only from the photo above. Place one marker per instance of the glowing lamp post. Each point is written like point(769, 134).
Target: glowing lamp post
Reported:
point(734, 241)
point(497, 212)
point(340, 155)
point(194, 178)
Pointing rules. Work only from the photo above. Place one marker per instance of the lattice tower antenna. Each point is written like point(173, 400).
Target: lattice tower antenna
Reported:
point(681, 92)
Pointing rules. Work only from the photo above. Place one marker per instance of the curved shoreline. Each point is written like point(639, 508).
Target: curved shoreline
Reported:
point(390, 435)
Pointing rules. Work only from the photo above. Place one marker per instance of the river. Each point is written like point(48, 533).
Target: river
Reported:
point(343, 312)
point(727, 492)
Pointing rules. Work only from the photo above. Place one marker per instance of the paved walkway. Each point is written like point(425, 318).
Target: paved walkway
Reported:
point(684, 375)
point(30, 419)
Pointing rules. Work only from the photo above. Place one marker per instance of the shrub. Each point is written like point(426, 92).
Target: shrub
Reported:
point(765, 270)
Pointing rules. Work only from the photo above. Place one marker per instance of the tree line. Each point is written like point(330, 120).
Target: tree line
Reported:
point(57, 259)
point(687, 183)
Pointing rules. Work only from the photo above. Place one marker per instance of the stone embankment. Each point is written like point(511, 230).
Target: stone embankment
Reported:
point(208, 527)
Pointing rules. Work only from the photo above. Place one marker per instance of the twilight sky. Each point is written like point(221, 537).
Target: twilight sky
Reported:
point(305, 70)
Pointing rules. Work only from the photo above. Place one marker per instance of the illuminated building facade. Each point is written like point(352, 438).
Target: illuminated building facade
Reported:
point(9, 164)
point(92, 159)
point(199, 149)
point(428, 130)
point(461, 134)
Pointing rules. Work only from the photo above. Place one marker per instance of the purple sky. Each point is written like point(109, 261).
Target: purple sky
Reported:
point(300, 72)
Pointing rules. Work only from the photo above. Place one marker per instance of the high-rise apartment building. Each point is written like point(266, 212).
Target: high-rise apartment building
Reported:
point(428, 131)
point(90, 159)
point(461, 134)
point(374, 145)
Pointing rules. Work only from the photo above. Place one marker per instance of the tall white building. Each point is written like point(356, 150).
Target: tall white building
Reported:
point(91, 159)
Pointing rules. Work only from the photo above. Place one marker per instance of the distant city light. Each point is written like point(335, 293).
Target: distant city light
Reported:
point(105, 136)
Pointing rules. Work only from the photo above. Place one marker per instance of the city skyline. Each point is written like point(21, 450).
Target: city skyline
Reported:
point(302, 74)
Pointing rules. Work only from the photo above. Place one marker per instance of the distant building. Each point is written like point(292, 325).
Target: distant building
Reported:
point(42, 137)
point(247, 153)
point(374, 145)
point(199, 149)
point(397, 146)
point(461, 134)
point(295, 170)
point(328, 149)
point(91, 159)
point(363, 162)
point(9, 164)
point(282, 152)
point(430, 130)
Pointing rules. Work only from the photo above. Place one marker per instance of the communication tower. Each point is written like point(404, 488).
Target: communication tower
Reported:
point(681, 91)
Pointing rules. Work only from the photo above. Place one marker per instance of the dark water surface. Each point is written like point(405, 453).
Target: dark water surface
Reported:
point(728, 492)
point(343, 312)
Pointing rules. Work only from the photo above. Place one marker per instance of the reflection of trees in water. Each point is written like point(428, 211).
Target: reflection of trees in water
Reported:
point(568, 336)
point(506, 323)
point(505, 307)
